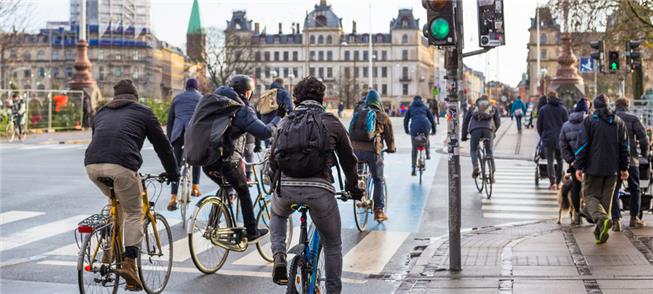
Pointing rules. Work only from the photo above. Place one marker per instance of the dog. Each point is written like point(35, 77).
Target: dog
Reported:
point(565, 199)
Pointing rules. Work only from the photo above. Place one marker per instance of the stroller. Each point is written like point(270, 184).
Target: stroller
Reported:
point(540, 164)
point(645, 188)
point(528, 118)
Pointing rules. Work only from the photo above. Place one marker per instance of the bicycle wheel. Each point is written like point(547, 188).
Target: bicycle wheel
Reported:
point(362, 209)
point(320, 273)
point(92, 275)
point(266, 182)
point(297, 276)
point(421, 163)
point(155, 262)
point(184, 193)
point(481, 160)
point(10, 132)
point(488, 178)
point(264, 246)
point(209, 215)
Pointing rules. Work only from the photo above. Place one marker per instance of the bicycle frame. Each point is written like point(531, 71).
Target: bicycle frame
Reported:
point(308, 247)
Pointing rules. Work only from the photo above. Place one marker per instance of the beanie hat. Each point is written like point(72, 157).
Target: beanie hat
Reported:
point(125, 87)
point(581, 106)
point(600, 102)
point(191, 84)
point(373, 99)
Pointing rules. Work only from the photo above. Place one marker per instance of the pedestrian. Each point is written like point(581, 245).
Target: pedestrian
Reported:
point(601, 158)
point(481, 122)
point(517, 111)
point(636, 137)
point(418, 123)
point(549, 123)
point(283, 99)
point(86, 111)
point(302, 156)
point(367, 140)
point(569, 143)
point(179, 115)
point(18, 110)
point(341, 108)
point(434, 106)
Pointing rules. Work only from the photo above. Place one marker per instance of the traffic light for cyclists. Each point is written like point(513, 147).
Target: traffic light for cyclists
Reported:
point(597, 55)
point(613, 61)
point(440, 27)
point(633, 56)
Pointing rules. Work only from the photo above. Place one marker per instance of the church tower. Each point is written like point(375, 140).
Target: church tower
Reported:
point(196, 43)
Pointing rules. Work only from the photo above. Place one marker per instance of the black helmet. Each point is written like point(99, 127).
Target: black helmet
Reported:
point(241, 83)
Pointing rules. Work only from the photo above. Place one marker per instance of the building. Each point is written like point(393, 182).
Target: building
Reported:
point(196, 43)
point(404, 64)
point(125, 16)
point(474, 83)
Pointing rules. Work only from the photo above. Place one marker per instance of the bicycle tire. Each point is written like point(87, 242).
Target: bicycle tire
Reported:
point(154, 253)
point(320, 276)
point(537, 175)
point(267, 188)
point(84, 258)
point(10, 132)
point(488, 181)
point(361, 213)
point(215, 205)
point(263, 221)
point(184, 192)
point(297, 275)
point(482, 175)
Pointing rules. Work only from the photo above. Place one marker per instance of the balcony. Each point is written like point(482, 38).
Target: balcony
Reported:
point(405, 78)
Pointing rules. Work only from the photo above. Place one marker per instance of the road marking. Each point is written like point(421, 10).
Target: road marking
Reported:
point(519, 215)
point(16, 215)
point(255, 259)
point(40, 232)
point(519, 208)
point(551, 202)
point(523, 196)
point(372, 253)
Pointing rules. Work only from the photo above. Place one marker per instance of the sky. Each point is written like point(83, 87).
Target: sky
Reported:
point(169, 20)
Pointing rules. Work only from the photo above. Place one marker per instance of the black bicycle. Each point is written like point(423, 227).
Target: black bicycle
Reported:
point(485, 179)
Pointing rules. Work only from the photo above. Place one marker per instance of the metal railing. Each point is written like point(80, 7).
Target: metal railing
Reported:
point(47, 110)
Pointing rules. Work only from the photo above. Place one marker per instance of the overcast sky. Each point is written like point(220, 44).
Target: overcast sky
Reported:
point(170, 20)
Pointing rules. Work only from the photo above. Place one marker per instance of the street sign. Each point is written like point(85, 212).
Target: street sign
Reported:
point(491, 28)
point(586, 64)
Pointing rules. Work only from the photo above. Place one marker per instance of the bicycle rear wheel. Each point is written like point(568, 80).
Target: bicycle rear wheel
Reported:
point(184, 193)
point(92, 275)
point(320, 273)
point(489, 171)
point(155, 262)
point(297, 276)
point(209, 215)
point(482, 176)
point(266, 182)
point(264, 246)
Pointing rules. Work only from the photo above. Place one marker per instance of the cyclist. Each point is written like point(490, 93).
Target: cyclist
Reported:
point(481, 121)
point(245, 121)
point(316, 190)
point(18, 112)
point(421, 122)
point(368, 144)
point(179, 116)
point(119, 129)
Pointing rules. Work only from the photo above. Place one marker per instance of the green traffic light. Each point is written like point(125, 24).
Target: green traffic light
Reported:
point(439, 28)
point(613, 66)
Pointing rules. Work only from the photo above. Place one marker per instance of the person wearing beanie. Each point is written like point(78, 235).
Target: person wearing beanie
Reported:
point(119, 130)
point(602, 158)
point(179, 115)
point(581, 106)
point(481, 122)
point(549, 124)
point(368, 148)
point(569, 143)
point(419, 121)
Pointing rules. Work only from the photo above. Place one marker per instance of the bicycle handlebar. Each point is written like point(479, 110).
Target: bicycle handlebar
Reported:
point(159, 178)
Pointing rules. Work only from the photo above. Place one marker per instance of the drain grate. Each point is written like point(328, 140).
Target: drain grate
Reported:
point(591, 285)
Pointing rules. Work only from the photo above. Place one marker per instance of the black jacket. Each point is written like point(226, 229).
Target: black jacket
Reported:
point(549, 123)
point(636, 135)
point(603, 147)
point(119, 130)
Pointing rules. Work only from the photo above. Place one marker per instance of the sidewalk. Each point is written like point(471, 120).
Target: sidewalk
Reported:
point(68, 137)
point(538, 257)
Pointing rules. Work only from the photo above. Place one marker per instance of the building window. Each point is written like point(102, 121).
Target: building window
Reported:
point(276, 55)
point(404, 54)
point(118, 71)
point(375, 55)
point(69, 72)
point(356, 55)
point(118, 56)
point(320, 71)
point(40, 55)
point(41, 72)
point(320, 21)
point(55, 72)
point(320, 39)
point(311, 71)
point(295, 56)
point(267, 72)
point(329, 55)
point(312, 55)
point(320, 55)
point(295, 72)
point(285, 55)
point(356, 72)
point(375, 86)
point(56, 55)
point(135, 75)
point(329, 72)
point(384, 55)
point(404, 39)
point(135, 55)
point(384, 90)
point(312, 39)
point(257, 56)
point(347, 72)
point(404, 89)
point(258, 73)
point(329, 40)
point(375, 72)
point(543, 53)
point(266, 56)
point(27, 73)
point(13, 54)
point(285, 72)
point(346, 55)
point(366, 55)
point(379, 38)
point(384, 72)
point(365, 71)
point(27, 56)
point(543, 38)
point(404, 72)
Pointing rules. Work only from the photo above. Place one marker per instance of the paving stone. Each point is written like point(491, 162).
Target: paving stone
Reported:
point(548, 286)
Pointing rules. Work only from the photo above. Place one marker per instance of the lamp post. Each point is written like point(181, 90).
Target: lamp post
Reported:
point(291, 76)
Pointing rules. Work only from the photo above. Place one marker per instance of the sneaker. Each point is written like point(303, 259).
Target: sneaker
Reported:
point(476, 173)
point(172, 205)
point(279, 269)
point(616, 225)
point(602, 231)
point(636, 222)
point(577, 220)
point(254, 238)
point(379, 215)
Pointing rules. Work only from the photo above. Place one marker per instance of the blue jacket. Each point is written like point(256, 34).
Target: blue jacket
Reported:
point(517, 105)
point(181, 110)
point(420, 119)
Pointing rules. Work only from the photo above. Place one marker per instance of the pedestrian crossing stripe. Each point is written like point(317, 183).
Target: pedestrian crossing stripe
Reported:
point(38, 233)
point(530, 216)
point(17, 215)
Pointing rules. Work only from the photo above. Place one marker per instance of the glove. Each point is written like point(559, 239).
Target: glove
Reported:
point(393, 150)
point(257, 148)
point(356, 193)
point(282, 111)
point(463, 138)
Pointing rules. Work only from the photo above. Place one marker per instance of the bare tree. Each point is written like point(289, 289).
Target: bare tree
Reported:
point(13, 21)
point(228, 53)
point(616, 16)
point(348, 89)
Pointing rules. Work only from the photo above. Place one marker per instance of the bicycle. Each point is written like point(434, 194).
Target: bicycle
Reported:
point(420, 165)
point(364, 207)
point(306, 271)
point(102, 246)
point(213, 232)
point(185, 182)
point(266, 182)
point(11, 131)
point(485, 180)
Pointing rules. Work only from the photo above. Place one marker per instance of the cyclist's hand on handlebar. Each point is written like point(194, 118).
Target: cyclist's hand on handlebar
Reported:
point(356, 192)
point(257, 148)
point(169, 178)
point(282, 111)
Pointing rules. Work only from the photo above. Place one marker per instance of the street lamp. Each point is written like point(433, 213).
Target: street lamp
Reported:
point(291, 76)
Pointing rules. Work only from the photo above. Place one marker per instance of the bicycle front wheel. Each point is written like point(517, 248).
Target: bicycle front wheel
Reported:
point(266, 182)
point(94, 276)
point(155, 261)
point(489, 170)
point(10, 132)
point(184, 193)
point(210, 215)
point(298, 276)
point(264, 246)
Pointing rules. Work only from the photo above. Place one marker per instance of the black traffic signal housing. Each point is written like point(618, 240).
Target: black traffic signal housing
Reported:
point(633, 56)
point(613, 61)
point(491, 27)
point(440, 27)
point(598, 54)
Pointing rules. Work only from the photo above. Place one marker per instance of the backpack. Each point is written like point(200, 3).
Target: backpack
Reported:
point(363, 125)
point(301, 144)
point(268, 102)
point(483, 110)
point(205, 139)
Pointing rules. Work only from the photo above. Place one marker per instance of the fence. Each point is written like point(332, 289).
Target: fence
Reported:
point(47, 110)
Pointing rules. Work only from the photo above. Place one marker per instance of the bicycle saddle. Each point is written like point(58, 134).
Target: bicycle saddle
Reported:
point(297, 207)
point(106, 181)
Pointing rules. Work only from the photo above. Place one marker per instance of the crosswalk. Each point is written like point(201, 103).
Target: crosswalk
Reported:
point(49, 147)
point(515, 195)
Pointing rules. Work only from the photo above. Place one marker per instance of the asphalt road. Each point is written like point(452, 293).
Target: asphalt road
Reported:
point(45, 192)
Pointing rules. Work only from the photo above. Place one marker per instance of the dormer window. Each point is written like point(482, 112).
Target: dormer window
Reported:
point(320, 21)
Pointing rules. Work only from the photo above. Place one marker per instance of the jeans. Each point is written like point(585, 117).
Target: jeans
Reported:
point(475, 139)
point(326, 218)
point(375, 164)
point(635, 194)
point(177, 148)
point(414, 151)
point(554, 172)
point(249, 157)
point(233, 173)
point(598, 195)
point(518, 120)
point(576, 187)
point(19, 123)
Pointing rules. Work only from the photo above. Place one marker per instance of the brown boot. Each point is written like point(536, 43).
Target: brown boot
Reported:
point(172, 205)
point(195, 190)
point(379, 215)
point(128, 272)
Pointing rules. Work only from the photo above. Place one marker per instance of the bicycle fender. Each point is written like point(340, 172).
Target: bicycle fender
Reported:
point(205, 198)
point(297, 249)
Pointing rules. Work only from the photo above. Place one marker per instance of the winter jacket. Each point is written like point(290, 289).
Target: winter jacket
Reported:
point(471, 122)
point(283, 98)
point(384, 133)
point(604, 146)
point(570, 136)
point(419, 118)
point(636, 135)
point(518, 104)
point(119, 130)
point(549, 123)
point(181, 110)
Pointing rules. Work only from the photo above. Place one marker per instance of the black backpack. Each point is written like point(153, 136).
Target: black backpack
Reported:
point(301, 146)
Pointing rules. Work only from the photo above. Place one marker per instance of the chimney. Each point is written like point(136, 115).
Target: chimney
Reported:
point(322, 2)
point(298, 31)
point(257, 27)
point(280, 29)
point(292, 25)
point(353, 27)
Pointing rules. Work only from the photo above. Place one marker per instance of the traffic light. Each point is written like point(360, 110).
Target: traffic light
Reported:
point(597, 55)
point(613, 61)
point(440, 28)
point(491, 31)
point(633, 56)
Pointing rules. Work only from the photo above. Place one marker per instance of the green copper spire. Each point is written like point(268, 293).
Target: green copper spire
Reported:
point(195, 22)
